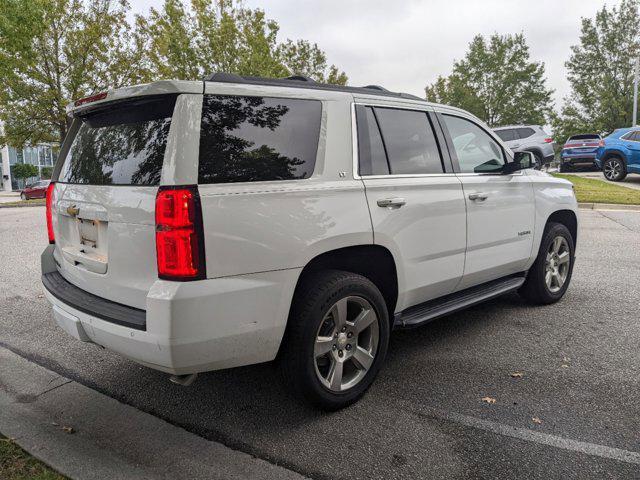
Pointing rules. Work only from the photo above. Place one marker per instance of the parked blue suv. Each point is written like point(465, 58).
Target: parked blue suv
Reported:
point(619, 154)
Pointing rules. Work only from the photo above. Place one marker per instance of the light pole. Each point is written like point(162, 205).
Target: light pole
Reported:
point(635, 92)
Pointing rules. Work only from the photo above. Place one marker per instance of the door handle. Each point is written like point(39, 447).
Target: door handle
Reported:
point(478, 197)
point(395, 202)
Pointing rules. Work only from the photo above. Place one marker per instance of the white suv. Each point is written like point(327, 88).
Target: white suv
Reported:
point(196, 226)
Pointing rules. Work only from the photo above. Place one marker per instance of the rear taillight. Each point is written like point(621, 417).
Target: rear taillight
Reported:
point(49, 208)
point(548, 140)
point(179, 234)
point(601, 143)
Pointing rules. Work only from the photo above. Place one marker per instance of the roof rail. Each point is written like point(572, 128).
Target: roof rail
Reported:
point(300, 81)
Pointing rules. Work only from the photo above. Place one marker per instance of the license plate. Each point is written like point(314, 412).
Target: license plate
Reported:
point(88, 232)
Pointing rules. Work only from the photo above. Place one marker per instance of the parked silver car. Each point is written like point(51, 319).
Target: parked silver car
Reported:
point(530, 138)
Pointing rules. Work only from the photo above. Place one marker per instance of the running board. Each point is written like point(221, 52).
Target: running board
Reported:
point(428, 311)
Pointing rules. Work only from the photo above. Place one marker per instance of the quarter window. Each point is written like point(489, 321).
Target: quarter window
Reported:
point(525, 132)
point(409, 140)
point(477, 152)
point(251, 139)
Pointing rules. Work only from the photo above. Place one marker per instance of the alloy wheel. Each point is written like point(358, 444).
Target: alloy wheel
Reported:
point(612, 169)
point(557, 264)
point(346, 343)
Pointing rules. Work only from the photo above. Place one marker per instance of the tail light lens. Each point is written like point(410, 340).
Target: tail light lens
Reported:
point(179, 234)
point(548, 140)
point(601, 143)
point(49, 208)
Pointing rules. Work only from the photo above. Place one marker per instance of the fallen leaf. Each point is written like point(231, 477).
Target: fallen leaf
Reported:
point(68, 430)
point(517, 375)
point(536, 420)
point(564, 365)
point(488, 400)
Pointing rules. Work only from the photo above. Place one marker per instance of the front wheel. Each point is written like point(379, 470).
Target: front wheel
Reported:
point(614, 169)
point(336, 339)
point(550, 274)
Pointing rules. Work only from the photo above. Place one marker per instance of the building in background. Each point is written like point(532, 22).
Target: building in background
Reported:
point(41, 155)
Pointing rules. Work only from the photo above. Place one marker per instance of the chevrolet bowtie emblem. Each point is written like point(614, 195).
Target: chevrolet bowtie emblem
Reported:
point(73, 210)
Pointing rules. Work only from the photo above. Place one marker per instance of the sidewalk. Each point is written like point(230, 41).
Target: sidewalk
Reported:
point(84, 434)
point(8, 197)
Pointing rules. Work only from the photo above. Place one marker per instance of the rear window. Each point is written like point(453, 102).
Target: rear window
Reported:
point(251, 139)
point(577, 138)
point(120, 144)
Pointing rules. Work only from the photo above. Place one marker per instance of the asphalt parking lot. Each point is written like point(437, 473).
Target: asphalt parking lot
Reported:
point(574, 412)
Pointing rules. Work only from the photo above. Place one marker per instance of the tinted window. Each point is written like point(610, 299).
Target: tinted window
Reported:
point(121, 144)
point(507, 135)
point(525, 132)
point(250, 139)
point(633, 136)
point(477, 152)
point(586, 136)
point(371, 157)
point(409, 140)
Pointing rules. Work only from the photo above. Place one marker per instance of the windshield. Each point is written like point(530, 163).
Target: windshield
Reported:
point(120, 144)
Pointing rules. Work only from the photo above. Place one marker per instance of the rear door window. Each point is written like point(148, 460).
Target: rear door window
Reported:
point(507, 135)
point(251, 139)
point(121, 144)
point(410, 142)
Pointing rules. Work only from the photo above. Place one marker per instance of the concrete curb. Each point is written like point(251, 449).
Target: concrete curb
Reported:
point(109, 439)
point(609, 206)
point(26, 205)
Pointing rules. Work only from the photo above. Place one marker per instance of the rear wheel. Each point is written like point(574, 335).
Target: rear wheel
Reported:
point(614, 169)
point(564, 167)
point(336, 339)
point(550, 274)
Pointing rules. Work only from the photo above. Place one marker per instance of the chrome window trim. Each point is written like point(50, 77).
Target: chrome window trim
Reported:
point(356, 160)
point(354, 139)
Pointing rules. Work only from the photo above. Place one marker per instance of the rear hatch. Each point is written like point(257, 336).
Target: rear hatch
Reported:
point(104, 199)
point(581, 144)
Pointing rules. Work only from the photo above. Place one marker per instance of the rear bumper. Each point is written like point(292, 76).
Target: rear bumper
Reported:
point(192, 326)
point(579, 159)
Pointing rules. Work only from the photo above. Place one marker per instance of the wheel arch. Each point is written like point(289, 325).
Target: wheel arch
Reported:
point(569, 219)
point(615, 154)
point(374, 262)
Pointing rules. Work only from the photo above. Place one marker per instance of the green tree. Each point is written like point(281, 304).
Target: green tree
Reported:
point(223, 36)
point(45, 173)
point(600, 71)
point(24, 171)
point(54, 51)
point(496, 81)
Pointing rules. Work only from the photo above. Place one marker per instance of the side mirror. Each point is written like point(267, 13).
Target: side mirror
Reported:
point(521, 161)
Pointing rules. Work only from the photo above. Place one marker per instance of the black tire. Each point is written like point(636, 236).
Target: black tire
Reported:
point(535, 288)
point(313, 299)
point(614, 169)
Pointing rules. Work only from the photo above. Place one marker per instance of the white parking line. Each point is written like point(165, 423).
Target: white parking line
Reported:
point(528, 435)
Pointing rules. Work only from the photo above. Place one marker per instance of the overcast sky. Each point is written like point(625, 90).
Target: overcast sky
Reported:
point(405, 44)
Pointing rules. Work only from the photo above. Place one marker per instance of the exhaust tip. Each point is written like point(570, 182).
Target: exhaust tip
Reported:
point(183, 380)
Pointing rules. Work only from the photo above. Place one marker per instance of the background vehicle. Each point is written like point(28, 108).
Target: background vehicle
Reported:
point(619, 154)
point(36, 190)
point(528, 138)
point(196, 227)
point(579, 150)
